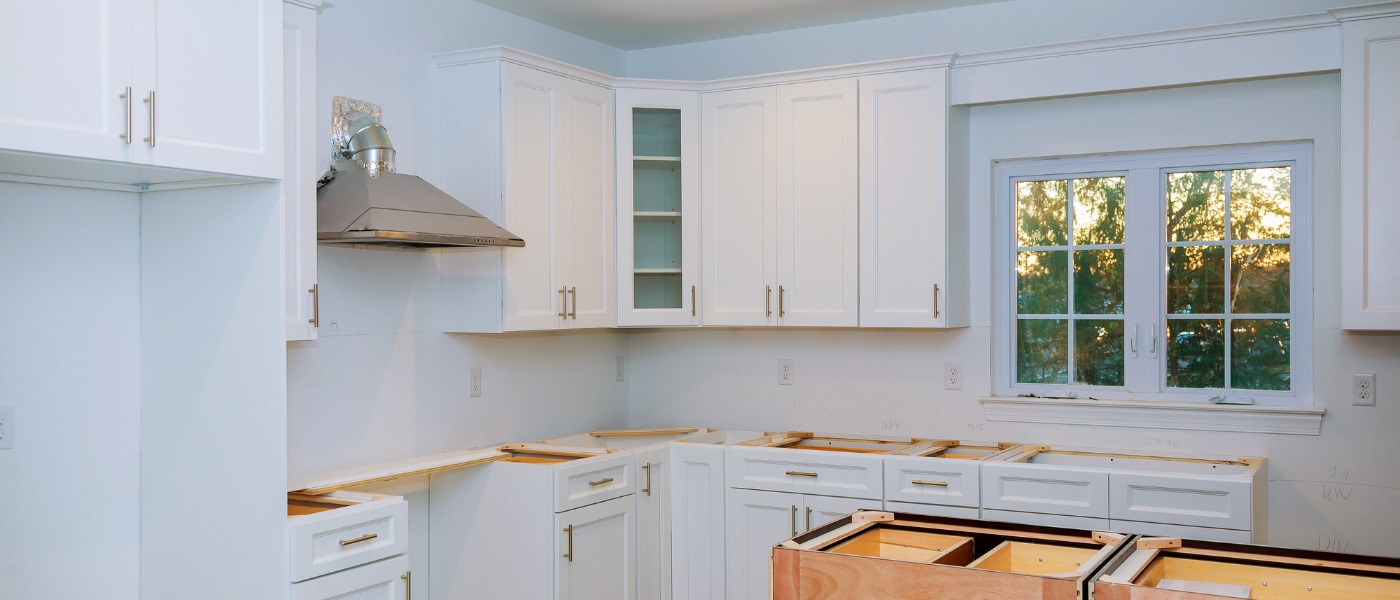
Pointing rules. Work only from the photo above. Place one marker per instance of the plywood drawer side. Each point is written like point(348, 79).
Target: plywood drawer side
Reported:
point(1198, 501)
point(949, 482)
point(381, 528)
point(589, 481)
point(1045, 489)
point(842, 474)
point(383, 580)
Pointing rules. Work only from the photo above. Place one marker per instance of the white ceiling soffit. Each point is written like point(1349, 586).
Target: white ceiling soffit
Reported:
point(634, 24)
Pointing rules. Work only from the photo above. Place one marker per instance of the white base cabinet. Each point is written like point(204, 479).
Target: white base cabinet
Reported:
point(697, 521)
point(654, 510)
point(596, 551)
point(388, 579)
point(759, 519)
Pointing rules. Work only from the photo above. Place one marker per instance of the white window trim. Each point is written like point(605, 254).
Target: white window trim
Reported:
point(1160, 162)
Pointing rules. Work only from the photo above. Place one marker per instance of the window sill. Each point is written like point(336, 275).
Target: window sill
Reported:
point(1255, 418)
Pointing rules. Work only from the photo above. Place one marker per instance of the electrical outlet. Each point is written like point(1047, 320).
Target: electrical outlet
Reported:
point(952, 375)
point(1363, 389)
point(785, 373)
point(618, 369)
point(7, 427)
point(476, 383)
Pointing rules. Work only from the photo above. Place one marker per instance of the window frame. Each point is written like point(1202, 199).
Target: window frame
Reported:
point(1145, 255)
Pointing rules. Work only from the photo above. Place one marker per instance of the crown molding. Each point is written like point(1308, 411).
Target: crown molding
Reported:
point(1195, 416)
point(1366, 11)
point(319, 7)
point(932, 61)
point(522, 58)
point(1155, 38)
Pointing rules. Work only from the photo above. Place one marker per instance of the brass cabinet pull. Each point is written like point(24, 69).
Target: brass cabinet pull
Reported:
point(600, 481)
point(920, 482)
point(315, 305)
point(794, 520)
point(692, 300)
point(127, 97)
point(801, 474)
point(367, 536)
point(407, 578)
point(151, 100)
point(570, 554)
point(780, 302)
point(647, 468)
point(809, 518)
point(935, 301)
point(573, 314)
point(767, 296)
point(564, 302)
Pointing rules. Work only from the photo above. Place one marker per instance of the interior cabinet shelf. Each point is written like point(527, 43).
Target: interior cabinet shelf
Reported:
point(656, 162)
point(656, 271)
point(656, 215)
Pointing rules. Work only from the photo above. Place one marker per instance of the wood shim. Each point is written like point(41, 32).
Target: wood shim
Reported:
point(1112, 539)
point(871, 516)
point(1158, 543)
point(397, 470)
point(652, 431)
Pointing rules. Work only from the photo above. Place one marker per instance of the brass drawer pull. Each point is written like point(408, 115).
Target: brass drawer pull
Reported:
point(570, 554)
point(367, 536)
point(600, 481)
point(801, 474)
point(920, 482)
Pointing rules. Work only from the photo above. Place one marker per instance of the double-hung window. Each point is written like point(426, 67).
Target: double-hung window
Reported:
point(1178, 275)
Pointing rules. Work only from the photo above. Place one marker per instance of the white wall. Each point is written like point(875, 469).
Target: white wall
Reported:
point(891, 382)
point(69, 349)
point(964, 30)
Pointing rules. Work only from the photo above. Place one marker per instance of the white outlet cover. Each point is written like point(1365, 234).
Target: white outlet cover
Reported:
point(1363, 389)
point(475, 383)
point(7, 427)
point(786, 373)
point(952, 375)
point(619, 368)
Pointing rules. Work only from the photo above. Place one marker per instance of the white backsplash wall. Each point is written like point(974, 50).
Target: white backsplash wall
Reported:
point(1326, 492)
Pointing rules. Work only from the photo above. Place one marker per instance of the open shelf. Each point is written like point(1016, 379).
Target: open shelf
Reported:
point(656, 208)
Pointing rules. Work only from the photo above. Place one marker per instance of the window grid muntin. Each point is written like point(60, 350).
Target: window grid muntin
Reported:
point(1228, 243)
point(1069, 248)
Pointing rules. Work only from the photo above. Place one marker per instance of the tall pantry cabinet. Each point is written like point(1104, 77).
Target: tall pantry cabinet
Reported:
point(146, 83)
point(302, 302)
point(528, 142)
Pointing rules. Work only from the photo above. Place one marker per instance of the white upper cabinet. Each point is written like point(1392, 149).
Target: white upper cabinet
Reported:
point(299, 170)
point(738, 205)
point(1370, 179)
point(658, 207)
point(64, 96)
point(531, 150)
point(205, 81)
point(210, 76)
point(913, 230)
point(817, 204)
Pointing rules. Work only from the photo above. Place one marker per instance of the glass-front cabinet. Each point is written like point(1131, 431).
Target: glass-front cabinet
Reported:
point(658, 203)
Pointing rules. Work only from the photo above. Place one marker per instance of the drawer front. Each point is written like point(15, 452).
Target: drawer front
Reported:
point(1180, 500)
point(945, 481)
point(843, 474)
point(1209, 534)
point(593, 480)
point(1053, 490)
point(381, 528)
point(384, 580)
point(1043, 520)
point(934, 510)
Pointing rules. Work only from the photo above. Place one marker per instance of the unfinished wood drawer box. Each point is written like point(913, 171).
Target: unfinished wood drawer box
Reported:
point(340, 530)
point(942, 472)
point(881, 555)
point(1216, 492)
point(806, 463)
point(1177, 569)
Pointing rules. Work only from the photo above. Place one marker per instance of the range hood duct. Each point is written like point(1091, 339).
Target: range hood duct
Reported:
point(363, 201)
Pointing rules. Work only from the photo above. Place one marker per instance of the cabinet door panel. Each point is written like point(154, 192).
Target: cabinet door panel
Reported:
point(654, 524)
point(215, 68)
point(601, 544)
point(738, 207)
point(1180, 500)
point(697, 521)
point(299, 168)
point(903, 198)
point(817, 204)
point(590, 246)
point(62, 97)
point(530, 143)
point(384, 580)
point(757, 521)
point(820, 510)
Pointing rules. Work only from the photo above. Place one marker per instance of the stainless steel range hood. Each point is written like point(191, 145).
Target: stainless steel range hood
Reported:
point(363, 201)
